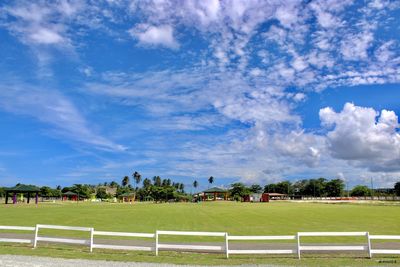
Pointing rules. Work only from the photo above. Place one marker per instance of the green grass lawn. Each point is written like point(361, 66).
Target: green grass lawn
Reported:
point(276, 218)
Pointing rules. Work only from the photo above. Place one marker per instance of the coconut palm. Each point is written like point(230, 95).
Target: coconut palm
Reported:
point(125, 181)
point(211, 180)
point(137, 177)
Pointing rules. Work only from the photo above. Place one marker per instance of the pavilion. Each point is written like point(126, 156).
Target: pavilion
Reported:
point(215, 192)
point(22, 189)
point(69, 196)
point(128, 197)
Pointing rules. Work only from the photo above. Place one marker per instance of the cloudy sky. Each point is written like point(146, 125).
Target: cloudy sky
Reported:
point(251, 91)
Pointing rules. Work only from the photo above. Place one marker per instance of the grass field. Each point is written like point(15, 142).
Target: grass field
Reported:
point(276, 218)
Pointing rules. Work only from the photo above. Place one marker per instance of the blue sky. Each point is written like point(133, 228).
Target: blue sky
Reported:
point(250, 91)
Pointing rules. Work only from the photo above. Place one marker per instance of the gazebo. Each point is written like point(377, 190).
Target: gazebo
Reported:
point(214, 191)
point(128, 197)
point(69, 196)
point(22, 189)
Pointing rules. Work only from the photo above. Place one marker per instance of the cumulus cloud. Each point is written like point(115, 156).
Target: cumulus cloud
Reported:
point(363, 136)
point(155, 35)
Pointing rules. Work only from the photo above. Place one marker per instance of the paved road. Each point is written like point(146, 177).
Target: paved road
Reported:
point(30, 261)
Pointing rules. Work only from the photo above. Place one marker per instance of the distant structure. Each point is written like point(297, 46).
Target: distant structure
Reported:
point(69, 196)
point(213, 193)
point(22, 189)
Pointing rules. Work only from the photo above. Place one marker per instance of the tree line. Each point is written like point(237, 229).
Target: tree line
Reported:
point(320, 187)
point(159, 189)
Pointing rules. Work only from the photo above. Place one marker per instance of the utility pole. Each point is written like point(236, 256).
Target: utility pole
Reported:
point(372, 189)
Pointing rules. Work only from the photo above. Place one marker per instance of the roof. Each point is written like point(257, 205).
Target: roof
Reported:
point(127, 195)
point(69, 193)
point(276, 194)
point(215, 190)
point(23, 188)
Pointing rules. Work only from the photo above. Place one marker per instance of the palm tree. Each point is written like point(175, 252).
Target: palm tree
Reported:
point(182, 187)
point(195, 184)
point(211, 180)
point(137, 177)
point(125, 181)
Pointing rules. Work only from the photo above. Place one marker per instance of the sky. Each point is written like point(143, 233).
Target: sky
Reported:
point(249, 91)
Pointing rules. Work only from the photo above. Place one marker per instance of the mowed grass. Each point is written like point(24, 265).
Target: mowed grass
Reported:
point(275, 218)
point(279, 218)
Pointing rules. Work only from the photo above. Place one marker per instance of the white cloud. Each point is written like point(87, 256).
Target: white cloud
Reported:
point(354, 46)
point(363, 137)
point(155, 35)
point(54, 109)
point(46, 36)
point(242, 78)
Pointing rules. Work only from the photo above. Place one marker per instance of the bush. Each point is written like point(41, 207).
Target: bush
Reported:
point(360, 191)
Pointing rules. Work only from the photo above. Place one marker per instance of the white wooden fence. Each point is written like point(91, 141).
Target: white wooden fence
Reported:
point(105, 246)
point(190, 247)
point(63, 240)
point(384, 251)
point(259, 251)
point(298, 246)
point(16, 240)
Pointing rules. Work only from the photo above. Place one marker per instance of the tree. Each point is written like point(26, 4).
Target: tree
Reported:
point(195, 184)
point(255, 188)
point(239, 190)
point(360, 191)
point(137, 177)
point(125, 181)
point(58, 187)
point(101, 193)
point(270, 188)
point(397, 188)
point(122, 190)
point(45, 191)
point(146, 183)
point(114, 184)
point(334, 188)
point(181, 187)
point(83, 190)
point(315, 187)
point(299, 186)
point(157, 181)
point(211, 180)
point(283, 187)
point(2, 192)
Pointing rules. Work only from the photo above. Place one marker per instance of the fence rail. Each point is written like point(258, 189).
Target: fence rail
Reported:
point(223, 248)
point(125, 234)
point(18, 228)
point(260, 251)
point(191, 247)
point(384, 251)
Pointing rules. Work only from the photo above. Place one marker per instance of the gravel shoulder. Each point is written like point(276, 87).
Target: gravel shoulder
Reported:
point(32, 261)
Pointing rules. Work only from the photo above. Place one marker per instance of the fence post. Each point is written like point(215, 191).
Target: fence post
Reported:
point(369, 246)
point(156, 242)
point(91, 239)
point(298, 246)
point(36, 235)
point(226, 246)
